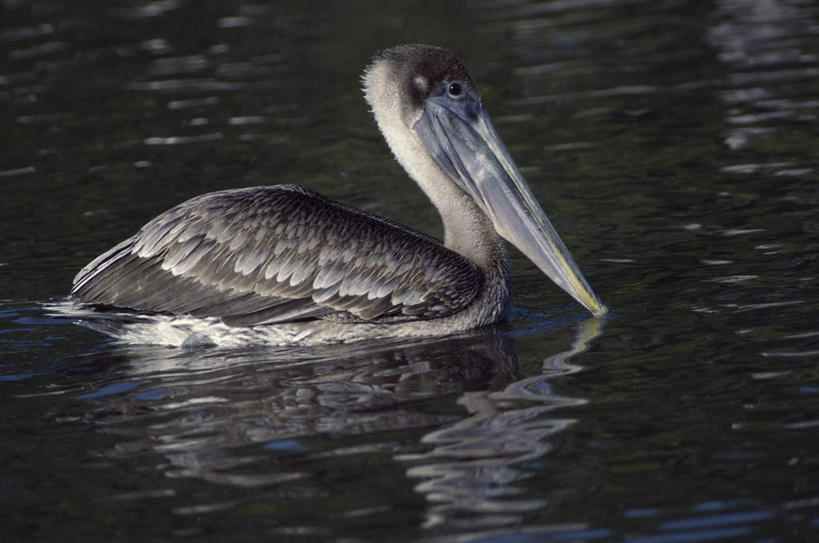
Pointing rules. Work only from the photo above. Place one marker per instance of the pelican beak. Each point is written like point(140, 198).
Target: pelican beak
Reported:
point(459, 135)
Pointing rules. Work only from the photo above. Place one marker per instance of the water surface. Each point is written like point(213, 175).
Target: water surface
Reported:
point(674, 147)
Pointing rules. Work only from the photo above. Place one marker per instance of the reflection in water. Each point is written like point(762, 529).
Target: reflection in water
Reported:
point(200, 405)
point(761, 44)
point(221, 415)
point(769, 54)
point(472, 468)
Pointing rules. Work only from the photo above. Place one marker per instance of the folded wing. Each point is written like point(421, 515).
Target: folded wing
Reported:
point(264, 255)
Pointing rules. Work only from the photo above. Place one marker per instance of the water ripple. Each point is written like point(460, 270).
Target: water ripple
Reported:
point(180, 140)
point(150, 9)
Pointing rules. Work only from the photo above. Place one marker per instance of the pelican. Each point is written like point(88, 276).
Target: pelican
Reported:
point(282, 264)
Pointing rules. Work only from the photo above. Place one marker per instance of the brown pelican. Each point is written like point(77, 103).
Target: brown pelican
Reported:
point(282, 264)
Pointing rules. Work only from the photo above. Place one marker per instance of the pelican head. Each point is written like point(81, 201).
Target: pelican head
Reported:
point(432, 115)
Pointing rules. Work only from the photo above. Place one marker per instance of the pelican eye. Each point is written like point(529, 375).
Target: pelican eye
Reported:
point(455, 90)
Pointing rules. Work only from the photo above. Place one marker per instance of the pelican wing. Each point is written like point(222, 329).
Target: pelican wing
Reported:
point(275, 254)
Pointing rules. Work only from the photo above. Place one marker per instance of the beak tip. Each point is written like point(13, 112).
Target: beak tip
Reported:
point(599, 310)
point(593, 304)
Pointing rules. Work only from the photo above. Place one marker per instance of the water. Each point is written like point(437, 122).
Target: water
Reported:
point(673, 144)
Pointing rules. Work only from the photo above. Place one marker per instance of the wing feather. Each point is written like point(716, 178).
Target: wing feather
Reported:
point(274, 254)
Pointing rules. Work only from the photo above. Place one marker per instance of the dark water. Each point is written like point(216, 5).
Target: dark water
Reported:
point(674, 145)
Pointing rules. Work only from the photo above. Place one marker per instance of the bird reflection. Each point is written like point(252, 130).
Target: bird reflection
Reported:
point(222, 415)
point(468, 476)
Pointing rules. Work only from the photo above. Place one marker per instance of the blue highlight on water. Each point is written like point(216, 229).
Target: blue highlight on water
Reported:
point(742, 517)
point(286, 445)
point(109, 390)
point(155, 394)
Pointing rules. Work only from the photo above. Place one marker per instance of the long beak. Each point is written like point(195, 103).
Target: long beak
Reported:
point(459, 135)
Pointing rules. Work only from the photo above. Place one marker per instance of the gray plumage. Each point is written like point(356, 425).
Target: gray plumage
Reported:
point(264, 255)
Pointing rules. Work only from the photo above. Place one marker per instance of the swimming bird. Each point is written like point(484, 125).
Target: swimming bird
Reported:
point(283, 264)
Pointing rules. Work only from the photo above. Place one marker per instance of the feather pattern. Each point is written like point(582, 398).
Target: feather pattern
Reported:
point(275, 254)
